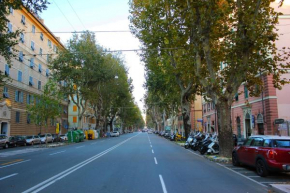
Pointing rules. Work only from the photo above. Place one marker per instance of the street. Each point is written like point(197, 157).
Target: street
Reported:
point(136, 162)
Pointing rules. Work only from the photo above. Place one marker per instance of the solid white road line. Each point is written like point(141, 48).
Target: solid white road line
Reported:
point(242, 175)
point(152, 151)
point(8, 176)
point(70, 170)
point(155, 160)
point(80, 146)
point(14, 164)
point(57, 152)
point(162, 184)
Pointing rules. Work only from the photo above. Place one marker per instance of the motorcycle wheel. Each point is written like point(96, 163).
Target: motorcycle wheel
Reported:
point(186, 146)
point(202, 152)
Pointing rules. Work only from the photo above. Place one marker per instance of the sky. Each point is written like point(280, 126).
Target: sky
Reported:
point(99, 15)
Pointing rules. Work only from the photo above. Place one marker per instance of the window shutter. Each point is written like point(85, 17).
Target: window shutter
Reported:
point(32, 99)
point(21, 97)
point(16, 95)
point(27, 99)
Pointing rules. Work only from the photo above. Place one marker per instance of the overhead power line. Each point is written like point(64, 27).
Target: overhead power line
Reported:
point(76, 14)
point(100, 31)
point(64, 15)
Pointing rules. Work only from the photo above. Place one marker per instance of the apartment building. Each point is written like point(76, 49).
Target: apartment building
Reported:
point(29, 73)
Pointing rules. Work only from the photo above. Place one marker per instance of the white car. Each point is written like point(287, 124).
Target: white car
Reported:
point(149, 132)
point(63, 137)
point(115, 134)
point(47, 137)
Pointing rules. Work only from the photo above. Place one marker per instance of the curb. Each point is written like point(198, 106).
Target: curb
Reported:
point(284, 188)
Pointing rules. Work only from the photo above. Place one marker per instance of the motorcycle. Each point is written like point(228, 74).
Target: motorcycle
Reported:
point(213, 148)
point(188, 142)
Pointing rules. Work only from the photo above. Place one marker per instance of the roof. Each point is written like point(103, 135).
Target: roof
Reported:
point(271, 136)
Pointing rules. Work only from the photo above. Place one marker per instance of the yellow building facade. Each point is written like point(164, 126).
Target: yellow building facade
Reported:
point(29, 73)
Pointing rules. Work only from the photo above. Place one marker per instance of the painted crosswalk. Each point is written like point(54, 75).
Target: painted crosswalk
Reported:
point(18, 152)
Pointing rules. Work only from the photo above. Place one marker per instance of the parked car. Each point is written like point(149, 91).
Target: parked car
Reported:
point(12, 141)
point(46, 138)
point(115, 134)
point(265, 152)
point(20, 140)
point(4, 141)
point(56, 138)
point(33, 139)
point(149, 132)
point(63, 137)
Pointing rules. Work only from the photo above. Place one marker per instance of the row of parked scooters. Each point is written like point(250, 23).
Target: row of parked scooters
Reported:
point(205, 143)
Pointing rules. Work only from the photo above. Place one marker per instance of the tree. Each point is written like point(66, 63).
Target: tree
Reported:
point(161, 33)
point(81, 67)
point(9, 39)
point(45, 106)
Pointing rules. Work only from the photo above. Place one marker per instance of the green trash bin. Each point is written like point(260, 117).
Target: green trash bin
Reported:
point(81, 135)
point(73, 136)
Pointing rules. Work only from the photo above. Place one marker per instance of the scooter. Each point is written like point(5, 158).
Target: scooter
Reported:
point(213, 148)
point(188, 142)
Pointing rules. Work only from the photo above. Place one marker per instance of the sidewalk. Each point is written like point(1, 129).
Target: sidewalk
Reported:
point(282, 188)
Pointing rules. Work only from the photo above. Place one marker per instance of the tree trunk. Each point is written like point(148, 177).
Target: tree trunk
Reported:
point(225, 132)
point(185, 104)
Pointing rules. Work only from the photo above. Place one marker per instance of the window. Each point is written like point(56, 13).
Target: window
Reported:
point(32, 63)
point(11, 10)
point(39, 85)
point(5, 92)
point(33, 29)
point(28, 118)
point(19, 96)
point(74, 119)
point(29, 99)
point(258, 142)
point(267, 143)
point(52, 122)
point(19, 76)
point(20, 56)
point(23, 19)
point(41, 36)
point(208, 106)
point(47, 72)
point(7, 70)
point(282, 143)
point(39, 68)
point(248, 142)
point(246, 92)
point(49, 43)
point(17, 116)
point(10, 30)
point(48, 58)
point(22, 38)
point(40, 51)
point(55, 48)
point(32, 45)
point(75, 108)
point(30, 81)
point(237, 97)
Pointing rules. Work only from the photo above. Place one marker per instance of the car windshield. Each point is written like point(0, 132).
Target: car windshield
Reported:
point(282, 143)
point(29, 137)
point(41, 135)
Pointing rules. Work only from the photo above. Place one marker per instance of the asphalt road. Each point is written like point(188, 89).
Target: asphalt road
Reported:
point(136, 162)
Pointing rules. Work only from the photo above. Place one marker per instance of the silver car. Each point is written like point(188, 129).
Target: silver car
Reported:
point(115, 134)
point(32, 139)
point(4, 141)
point(46, 138)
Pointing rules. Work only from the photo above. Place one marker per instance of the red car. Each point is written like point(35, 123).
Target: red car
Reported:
point(265, 152)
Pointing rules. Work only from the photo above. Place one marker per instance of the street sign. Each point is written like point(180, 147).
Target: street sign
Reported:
point(279, 121)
